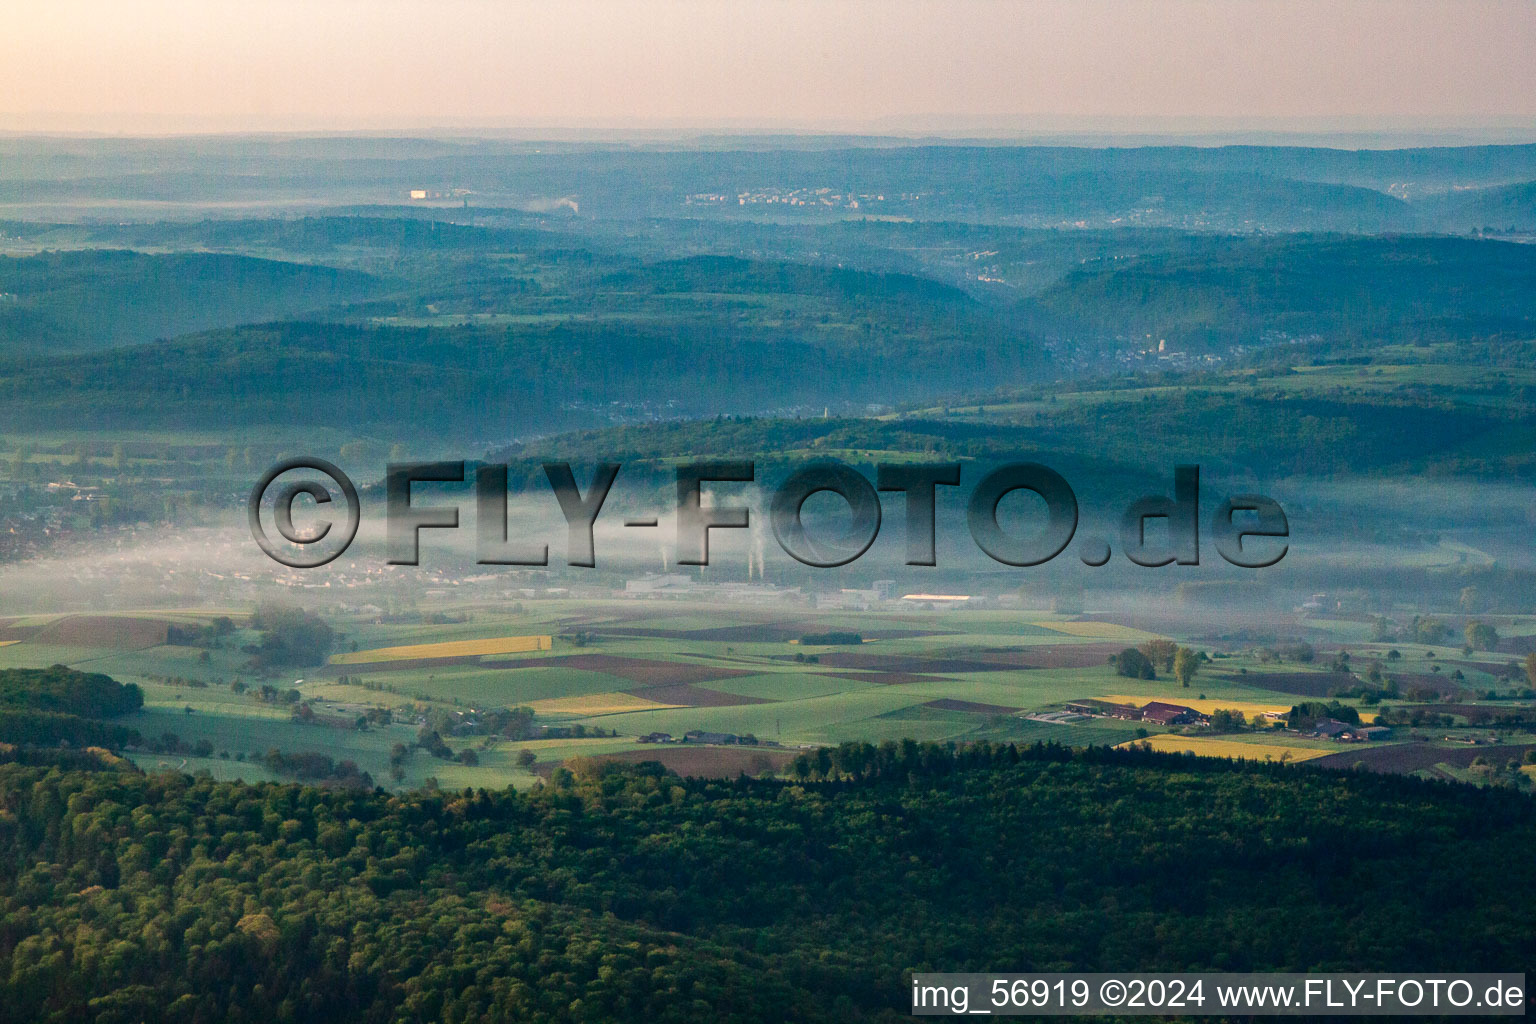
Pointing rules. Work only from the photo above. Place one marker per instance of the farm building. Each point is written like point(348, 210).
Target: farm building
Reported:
point(1330, 729)
point(699, 736)
point(1172, 714)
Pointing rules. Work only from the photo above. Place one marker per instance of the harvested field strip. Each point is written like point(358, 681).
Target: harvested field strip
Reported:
point(1470, 666)
point(613, 703)
point(1099, 630)
point(1476, 712)
point(1060, 656)
point(448, 649)
point(1202, 747)
point(1407, 758)
point(119, 632)
point(1516, 644)
point(950, 704)
point(1302, 684)
point(688, 695)
point(1440, 684)
point(7, 643)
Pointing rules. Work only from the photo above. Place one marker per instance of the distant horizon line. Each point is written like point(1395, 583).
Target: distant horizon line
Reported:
point(1342, 140)
point(1394, 131)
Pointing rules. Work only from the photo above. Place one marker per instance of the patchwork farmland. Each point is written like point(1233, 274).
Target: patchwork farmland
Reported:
point(713, 690)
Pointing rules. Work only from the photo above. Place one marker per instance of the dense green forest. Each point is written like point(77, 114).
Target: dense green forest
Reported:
point(66, 690)
point(621, 894)
point(59, 705)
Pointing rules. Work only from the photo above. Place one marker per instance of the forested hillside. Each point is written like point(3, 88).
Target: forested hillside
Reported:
point(1374, 290)
point(478, 379)
point(1497, 208)
point(487, 331)
point(90, 299)
point(1224, 423)
point(58, 705)
point(630, 895)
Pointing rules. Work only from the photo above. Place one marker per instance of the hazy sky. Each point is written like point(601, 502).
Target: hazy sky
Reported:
point(114, 65)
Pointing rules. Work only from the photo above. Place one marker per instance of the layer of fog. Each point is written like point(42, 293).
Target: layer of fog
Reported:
point(1408, 543)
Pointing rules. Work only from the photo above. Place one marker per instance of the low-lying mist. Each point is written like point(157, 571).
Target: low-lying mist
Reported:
point(1368, 547)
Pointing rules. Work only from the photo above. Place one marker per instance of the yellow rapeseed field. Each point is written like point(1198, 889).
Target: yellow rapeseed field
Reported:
point(446, 649)
point(613, 702)
point(1203, 747)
